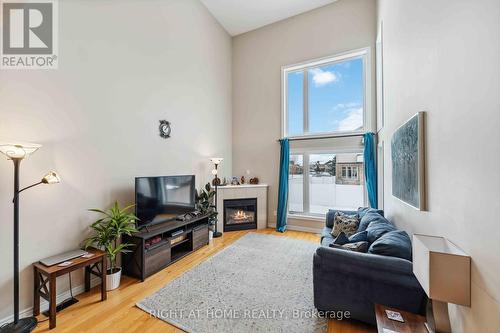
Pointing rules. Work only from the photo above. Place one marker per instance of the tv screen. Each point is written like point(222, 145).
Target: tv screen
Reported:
point(160, 199)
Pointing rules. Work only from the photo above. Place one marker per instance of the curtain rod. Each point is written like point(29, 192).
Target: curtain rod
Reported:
point(324, 137)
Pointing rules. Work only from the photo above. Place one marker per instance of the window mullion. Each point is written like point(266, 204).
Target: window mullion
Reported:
point(306, 183)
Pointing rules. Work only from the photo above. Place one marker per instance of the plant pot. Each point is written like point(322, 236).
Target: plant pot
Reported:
point(113, 279)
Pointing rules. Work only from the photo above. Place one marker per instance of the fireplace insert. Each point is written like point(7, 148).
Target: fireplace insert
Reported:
point(240, 214)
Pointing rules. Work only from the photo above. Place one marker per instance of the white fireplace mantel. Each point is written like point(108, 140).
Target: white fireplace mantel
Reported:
point(245, 191)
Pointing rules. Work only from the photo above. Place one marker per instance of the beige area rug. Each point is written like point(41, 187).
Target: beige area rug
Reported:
point(260, 283)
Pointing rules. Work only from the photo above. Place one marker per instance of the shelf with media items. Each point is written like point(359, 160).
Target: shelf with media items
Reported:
point(163, 244)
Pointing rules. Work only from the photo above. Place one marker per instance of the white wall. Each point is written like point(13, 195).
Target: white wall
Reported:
point(257, 60)
point(122, 68)
point(443, 57)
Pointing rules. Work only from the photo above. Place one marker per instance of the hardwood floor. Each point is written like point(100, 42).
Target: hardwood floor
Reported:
point(119, 314)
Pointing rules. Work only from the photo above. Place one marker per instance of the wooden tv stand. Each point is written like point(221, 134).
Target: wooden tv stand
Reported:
point(163, 244)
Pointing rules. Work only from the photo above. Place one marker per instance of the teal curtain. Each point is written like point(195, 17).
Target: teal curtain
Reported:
point(283, 186)
point(370, 169)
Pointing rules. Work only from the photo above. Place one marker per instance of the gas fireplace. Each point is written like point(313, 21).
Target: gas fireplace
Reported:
point(240, 214)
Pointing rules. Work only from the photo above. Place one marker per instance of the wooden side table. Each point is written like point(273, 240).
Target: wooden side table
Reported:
point(413, 323)
point(45, 280)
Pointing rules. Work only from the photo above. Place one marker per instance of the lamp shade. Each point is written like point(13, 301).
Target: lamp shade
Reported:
point(51, 178)
point(442, 269)
point(18, 150)
point(216, 160)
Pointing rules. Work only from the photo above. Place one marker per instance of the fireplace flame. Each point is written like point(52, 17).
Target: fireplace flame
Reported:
point(240, 215)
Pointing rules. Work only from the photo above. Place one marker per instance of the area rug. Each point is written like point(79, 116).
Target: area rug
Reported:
point(260, 283)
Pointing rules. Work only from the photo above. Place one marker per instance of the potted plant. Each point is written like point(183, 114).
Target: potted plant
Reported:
point(205, 205)
point(108, 230)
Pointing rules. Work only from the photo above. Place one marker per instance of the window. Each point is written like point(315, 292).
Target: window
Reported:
point(350, 172)
point(354, 173)
point(325, 97)
point(322, 181)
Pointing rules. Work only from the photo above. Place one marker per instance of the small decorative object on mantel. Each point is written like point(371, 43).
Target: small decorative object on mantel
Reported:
point(242, 180)
point(224, 182)
point(165, 129)
point(234, 181)
point(254, 181)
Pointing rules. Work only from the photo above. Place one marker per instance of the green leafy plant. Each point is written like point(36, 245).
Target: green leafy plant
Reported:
point(108, 230)
point(205, 202)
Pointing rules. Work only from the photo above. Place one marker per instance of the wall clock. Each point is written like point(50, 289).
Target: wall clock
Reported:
point(165, 129)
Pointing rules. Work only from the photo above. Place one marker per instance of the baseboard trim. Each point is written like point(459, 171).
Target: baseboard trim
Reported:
point(44, 305)
point(298, 228)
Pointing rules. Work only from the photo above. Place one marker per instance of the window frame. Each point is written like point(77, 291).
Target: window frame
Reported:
point(364, 54)
point(306, 152)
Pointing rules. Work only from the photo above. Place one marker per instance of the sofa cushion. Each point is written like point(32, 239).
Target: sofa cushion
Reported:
point(377, 228)
point(326, 236)
point(327, 240)
point(344, 223)
point(341, 239)
point(395, 243)
point(367, 219)
point(327, 232)
point(330, 215)
point(363, 210)
point(359, 237)
point(356, 247)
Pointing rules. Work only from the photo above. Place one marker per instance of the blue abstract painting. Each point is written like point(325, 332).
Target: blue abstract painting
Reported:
point(407, 152)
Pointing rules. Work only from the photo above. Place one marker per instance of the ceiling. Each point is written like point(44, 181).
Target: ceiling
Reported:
point(239, 16)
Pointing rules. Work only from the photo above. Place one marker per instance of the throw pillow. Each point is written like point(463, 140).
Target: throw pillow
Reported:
point(344, 223)
point(330, 215)
point(356, 247)
point(368, 218)
point(395, 243)
point(341, 239)
point(378, 228)
point(364, 210)
point(359, 237)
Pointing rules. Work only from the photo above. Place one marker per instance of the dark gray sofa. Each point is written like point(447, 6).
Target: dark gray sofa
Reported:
point(353, 281)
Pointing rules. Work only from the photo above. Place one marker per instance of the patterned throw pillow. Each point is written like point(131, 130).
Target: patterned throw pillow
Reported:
point(344, 223)
point(356, 247)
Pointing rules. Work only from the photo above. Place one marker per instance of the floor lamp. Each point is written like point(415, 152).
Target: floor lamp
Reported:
point(216, 182)
point(17, 152)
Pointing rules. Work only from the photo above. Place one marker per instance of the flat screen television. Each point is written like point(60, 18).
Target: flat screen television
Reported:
point(160, 199)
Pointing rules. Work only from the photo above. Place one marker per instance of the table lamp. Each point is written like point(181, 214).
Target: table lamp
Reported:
point(17, 152)
point(216, 182)
point(443, 271)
